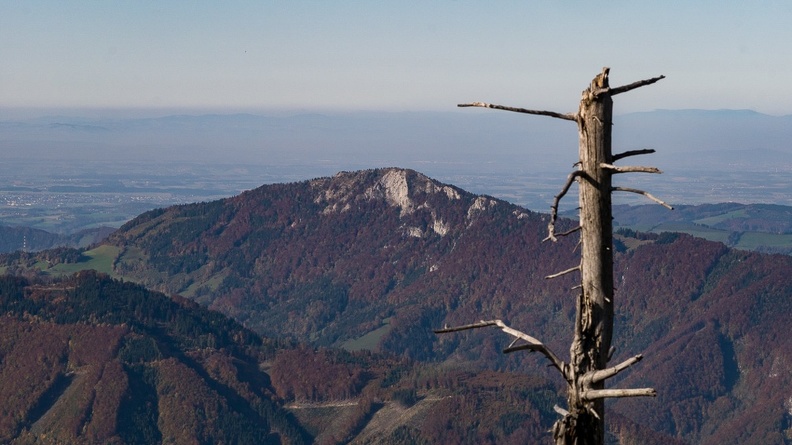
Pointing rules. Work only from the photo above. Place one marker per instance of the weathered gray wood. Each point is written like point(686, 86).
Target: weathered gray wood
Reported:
point(583, 422)
point(644, 151)
point(641, 192)
point(592, 336)
point(595, 394)
point(564, 116)
point(563, 272)
point(630, 169)
point(531, 343)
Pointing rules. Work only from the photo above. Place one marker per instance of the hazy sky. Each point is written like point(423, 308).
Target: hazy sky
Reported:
point(392, 55)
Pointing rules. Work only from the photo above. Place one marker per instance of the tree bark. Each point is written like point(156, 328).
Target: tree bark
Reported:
point(583, 423)
point(593, 332)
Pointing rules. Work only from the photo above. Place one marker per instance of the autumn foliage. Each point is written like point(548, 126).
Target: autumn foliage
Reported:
point(319, 264)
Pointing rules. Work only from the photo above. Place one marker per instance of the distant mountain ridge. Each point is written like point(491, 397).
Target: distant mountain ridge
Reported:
point(371, 136)
point(378, 258)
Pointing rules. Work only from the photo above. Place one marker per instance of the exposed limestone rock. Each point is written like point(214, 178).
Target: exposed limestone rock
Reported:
point(415, 232)
point(336, 207)
point(479, 205)
point(395, 186)
point(397, 192)
point(337, 198)
point(520, 215)
point(440, 227)
point(452, 193)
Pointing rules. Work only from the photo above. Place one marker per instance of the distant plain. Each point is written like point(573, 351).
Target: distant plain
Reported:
point(64, 173)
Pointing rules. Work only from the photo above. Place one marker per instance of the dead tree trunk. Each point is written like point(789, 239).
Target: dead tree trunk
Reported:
point(583, 422)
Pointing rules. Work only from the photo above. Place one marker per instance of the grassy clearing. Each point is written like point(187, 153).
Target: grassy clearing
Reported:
point(631, 243)
point(212, 284)
point(747, 240)
point(99, 259)
point(713, 220)
point(754, 240)
point(645, 228)
point(695, 230)
point(370, 340)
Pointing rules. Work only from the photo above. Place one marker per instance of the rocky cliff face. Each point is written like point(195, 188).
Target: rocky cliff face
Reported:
point(408, 191)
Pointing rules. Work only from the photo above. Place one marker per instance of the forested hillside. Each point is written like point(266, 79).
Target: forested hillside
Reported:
point(89, 359)
point(93, 360)
point(376, 259)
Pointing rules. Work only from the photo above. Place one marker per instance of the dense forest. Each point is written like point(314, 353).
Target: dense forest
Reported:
point(89, 359)
point(352, 273)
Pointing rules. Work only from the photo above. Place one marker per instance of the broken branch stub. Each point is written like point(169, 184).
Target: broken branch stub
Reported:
point(645, 151)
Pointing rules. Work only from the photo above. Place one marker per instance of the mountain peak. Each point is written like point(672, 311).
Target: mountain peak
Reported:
point(339, 192)
point(422, 202)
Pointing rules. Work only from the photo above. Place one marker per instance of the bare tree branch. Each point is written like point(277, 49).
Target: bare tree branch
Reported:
point(634, 85)
point(567, 116)
point(630, 168)
point(598, 376)
point(481, 324)
point(593, 394)
point(562, 273)
point(554, 208)
point(570, 231)
point(641, 192)
point(645, 151)
point(533, 343)
point(560, 410)
point(523, 347)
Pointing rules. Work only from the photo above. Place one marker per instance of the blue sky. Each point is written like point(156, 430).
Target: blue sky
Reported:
point(391, 55)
